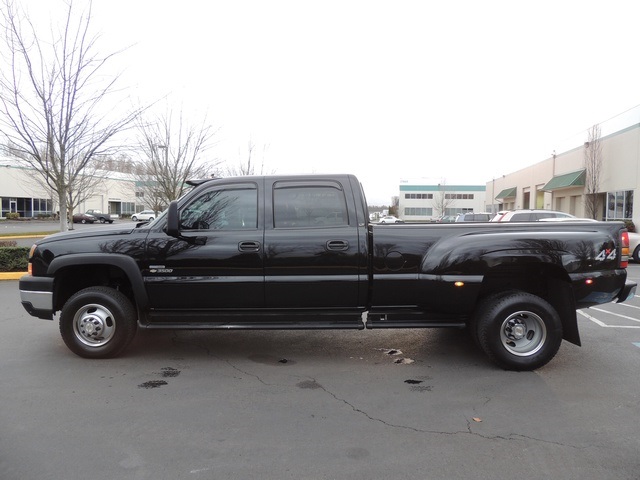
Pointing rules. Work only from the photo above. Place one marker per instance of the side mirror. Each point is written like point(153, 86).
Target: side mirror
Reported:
point(173, 220)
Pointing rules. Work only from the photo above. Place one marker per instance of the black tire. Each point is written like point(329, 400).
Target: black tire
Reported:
point(134, 218)
point(151, 219)
point(98, 322)
point(110, 222)
point(636, 254)
point(102, 220)
point(83, 221)
point(518, 330)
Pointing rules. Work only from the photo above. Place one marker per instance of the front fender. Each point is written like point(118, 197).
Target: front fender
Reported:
point(127, 264)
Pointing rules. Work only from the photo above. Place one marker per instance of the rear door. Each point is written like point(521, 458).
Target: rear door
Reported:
point(312, 257)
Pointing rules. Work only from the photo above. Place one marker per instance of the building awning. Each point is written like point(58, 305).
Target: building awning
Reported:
point(507, 193)
point(573, 179)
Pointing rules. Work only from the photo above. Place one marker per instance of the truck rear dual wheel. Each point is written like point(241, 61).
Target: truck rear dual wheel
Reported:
point(98, 322)
point(518, 330)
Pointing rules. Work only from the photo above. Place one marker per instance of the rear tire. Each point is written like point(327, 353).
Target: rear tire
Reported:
point(98, 322)
point(518, 330)
point(636, 254)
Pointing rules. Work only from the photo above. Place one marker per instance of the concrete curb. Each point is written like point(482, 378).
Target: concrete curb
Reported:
point(20, 237)
point(11, 275)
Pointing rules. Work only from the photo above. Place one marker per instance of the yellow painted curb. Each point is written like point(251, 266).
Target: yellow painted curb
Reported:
point(11, 275)
point(21, 237)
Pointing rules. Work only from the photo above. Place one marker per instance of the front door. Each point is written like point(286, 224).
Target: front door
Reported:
point(223, 270)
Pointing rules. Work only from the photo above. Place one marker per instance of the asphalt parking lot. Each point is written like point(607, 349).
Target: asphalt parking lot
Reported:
point(317, 405)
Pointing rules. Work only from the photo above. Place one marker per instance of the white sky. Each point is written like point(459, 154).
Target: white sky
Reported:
point(454, 91)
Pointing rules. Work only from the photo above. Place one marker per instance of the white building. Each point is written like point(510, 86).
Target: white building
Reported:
point(22, 193)
point(421, 201)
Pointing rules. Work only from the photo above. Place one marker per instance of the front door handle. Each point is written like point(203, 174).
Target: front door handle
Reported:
point(337, 245)
point(249, 246)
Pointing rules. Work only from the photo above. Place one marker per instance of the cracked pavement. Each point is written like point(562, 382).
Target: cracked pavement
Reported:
point(311, 404)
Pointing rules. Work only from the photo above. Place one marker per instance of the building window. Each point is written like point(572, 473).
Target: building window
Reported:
point(422, 212)
point(459, 196)
point(127, 208)
point(457, 211)
point(620, 205)
point(418, 196)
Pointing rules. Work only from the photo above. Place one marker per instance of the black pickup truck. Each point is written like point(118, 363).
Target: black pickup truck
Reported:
point(298, 252)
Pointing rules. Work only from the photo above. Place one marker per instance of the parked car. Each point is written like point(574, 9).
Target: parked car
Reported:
point(634, 246)
point(530, 215)
point(83, 218)
point(143, 216)
point(498, 215)
point(446, 219)
point(390, 219)
point(474, 217)
point(101, 217)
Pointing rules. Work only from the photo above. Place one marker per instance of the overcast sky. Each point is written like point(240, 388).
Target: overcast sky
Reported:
point(453, 91)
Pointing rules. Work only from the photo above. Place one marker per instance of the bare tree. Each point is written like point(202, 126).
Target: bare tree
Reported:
point(248, 166)
point(593, 167)
point(174, 151)
point(53, 99)
point(442, 200)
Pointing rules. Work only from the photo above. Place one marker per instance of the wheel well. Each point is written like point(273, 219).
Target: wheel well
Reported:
point(72, 279)
point(549, 282)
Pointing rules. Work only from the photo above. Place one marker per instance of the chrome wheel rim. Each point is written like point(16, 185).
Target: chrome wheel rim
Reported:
point(523, 333)
point(94, 325)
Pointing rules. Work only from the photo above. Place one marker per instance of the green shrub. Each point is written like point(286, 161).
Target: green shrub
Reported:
point(14, 259)
point(13, 216)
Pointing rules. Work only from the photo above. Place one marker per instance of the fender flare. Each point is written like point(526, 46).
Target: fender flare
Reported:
point(127, 264)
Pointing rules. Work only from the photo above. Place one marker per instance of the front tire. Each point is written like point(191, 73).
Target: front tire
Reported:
point(636, 254)
point(98, 322)
point(518, 330)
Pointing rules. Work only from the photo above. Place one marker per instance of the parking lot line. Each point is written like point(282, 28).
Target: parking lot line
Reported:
point(626, 317)
point(602, 324)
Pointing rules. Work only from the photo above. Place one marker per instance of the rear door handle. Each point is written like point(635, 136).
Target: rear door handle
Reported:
point(249, 246)
point(337, 245)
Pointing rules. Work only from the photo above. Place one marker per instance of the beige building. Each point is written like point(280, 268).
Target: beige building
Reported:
point(558, 183)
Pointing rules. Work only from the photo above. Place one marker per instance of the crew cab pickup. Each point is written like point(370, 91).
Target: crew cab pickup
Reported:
point(298, 252)
point(103, 217)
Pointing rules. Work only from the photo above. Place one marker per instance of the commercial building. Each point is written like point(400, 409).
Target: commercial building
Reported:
point(556, 183)
point(559, 182)
point(421, 201)
point(21, 192)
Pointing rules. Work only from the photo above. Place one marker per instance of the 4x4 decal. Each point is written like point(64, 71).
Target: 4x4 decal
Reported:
point(606, 254)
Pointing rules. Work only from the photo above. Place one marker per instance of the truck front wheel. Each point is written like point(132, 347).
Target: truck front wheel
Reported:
point(98, 322)
point(518, 330)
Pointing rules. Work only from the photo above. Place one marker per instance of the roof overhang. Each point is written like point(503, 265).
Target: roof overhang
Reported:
point(507, 193)
point(568, 180)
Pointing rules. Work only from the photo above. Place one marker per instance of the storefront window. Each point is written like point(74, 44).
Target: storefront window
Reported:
point(620, 205)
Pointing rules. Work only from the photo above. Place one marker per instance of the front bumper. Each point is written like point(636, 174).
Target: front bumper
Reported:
point(36, 295)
